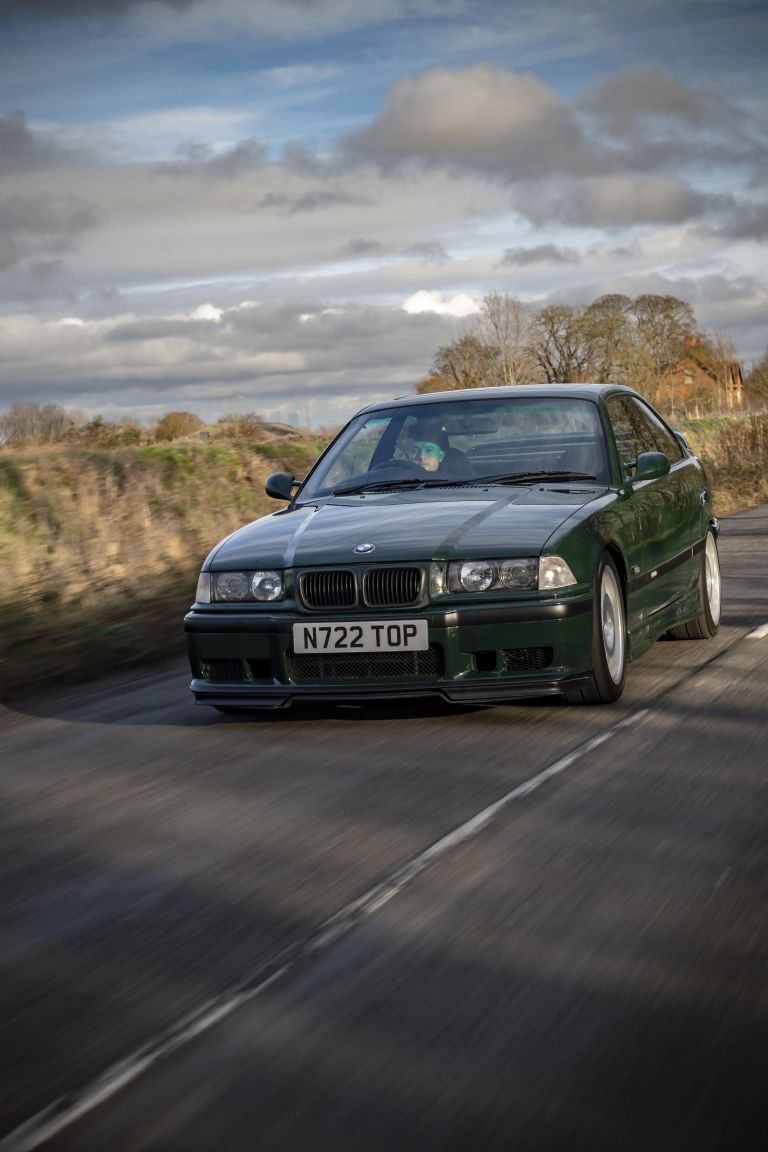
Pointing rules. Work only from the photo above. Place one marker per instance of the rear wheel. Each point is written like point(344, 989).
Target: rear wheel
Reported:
point(706, 623)
point(609, 640)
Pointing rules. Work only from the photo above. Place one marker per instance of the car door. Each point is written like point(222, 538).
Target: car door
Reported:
point(664, 511)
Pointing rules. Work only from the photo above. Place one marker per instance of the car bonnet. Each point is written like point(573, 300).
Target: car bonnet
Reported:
point(403, 527)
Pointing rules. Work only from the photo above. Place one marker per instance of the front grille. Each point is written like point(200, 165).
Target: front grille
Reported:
point(346, 666)
point(223, 670)
point(328, 589)
point(392, 587)
point(525, 659)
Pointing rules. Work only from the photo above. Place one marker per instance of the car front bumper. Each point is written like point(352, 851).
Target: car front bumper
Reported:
point(477, 654)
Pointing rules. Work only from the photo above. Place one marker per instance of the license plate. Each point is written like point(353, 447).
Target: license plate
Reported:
point(367, 636)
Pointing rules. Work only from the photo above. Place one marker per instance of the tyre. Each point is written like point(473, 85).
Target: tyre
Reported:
point(706, 623)
point(609, 640)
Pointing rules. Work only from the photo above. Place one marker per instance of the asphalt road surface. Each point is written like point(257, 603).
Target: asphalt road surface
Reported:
point(529, 927)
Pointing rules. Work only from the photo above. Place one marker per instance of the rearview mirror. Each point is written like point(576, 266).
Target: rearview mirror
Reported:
point(279, 485)
point(460, 424)
point(649, 465)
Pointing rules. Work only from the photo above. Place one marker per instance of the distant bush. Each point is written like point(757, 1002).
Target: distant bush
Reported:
point(34, 424)
point(241, 425)
point(174, 425)
point(734, 450)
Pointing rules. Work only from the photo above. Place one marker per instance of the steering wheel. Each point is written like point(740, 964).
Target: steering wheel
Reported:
point(402, 469)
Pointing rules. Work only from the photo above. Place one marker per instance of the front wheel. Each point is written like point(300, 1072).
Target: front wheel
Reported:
point(706, 623)
point(609, 640)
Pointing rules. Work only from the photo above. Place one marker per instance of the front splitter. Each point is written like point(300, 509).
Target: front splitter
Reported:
point(479, 692)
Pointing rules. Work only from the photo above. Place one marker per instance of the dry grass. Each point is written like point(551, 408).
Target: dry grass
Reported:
point(734, 450)
point(100, 550)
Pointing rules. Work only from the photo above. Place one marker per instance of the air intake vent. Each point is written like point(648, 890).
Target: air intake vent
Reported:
point(525, 659)
point(319, 666)
point(328, 589)
point(392, 587)
point(223, 670)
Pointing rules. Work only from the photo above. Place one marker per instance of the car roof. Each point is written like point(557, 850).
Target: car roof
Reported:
point(550, 391)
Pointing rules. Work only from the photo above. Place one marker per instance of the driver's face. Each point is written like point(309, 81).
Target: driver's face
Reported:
point(427, 454)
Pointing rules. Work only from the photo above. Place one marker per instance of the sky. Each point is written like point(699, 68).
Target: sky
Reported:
point(286, 206)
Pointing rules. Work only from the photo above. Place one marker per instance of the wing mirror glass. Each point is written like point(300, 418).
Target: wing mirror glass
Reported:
point(650, 465)
point(280, 485)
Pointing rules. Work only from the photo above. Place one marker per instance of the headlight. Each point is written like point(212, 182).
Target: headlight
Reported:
point(267, 585)
point(230, 585)
point(493, 575)
point(554, 573)
point(234, 587)
point(475, 575)
point(203, 593)
point(515, 574)
point(518, 573)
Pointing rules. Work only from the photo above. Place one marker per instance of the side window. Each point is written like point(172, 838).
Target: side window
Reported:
point(630, 429)
point(663, 440)
point(355, 457)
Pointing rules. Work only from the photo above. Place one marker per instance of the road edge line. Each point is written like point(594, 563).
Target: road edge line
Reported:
point(72, 1106)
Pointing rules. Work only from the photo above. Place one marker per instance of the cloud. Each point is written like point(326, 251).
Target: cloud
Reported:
point(459, 304)
point(623, 102)
point(76, 9)
point(655, 123)
point(200, 159)
point(429, 252)
point(165, 328)
point(253, 356)
point(540, 254)
point(42, 223)
point(22, 150)
point(617, 201)
point(483, 117)
point(742, 220)
point(44, 271)
point(361, 247)
point(311, 201)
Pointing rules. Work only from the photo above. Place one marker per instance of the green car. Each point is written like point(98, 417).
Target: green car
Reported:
point(480, 545)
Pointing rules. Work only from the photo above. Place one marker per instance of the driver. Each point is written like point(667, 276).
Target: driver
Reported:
point(429, 448)
point(428, 454)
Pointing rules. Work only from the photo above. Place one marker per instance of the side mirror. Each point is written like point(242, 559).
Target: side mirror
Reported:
point(649, 465)
point(280, 485)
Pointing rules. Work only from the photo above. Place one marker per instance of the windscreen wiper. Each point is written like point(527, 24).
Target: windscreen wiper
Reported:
point(475, 482)
point(529, 477)
point(376, 486)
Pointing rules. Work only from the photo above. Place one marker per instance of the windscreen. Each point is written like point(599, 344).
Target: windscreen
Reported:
point(462, 441)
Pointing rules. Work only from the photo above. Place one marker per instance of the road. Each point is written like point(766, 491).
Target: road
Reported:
point(583, 967)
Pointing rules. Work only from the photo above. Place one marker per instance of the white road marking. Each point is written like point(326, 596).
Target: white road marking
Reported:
point(62, 1113)
point(759, 633)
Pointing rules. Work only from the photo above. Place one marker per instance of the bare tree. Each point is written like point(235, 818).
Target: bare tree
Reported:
point(607, 331)
point(559, 347)
point(435, 382)
point(34, 424)
point(757, 380)
point(506, 325)
point(468, 363)
point(646, 343)
point(663, 326)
